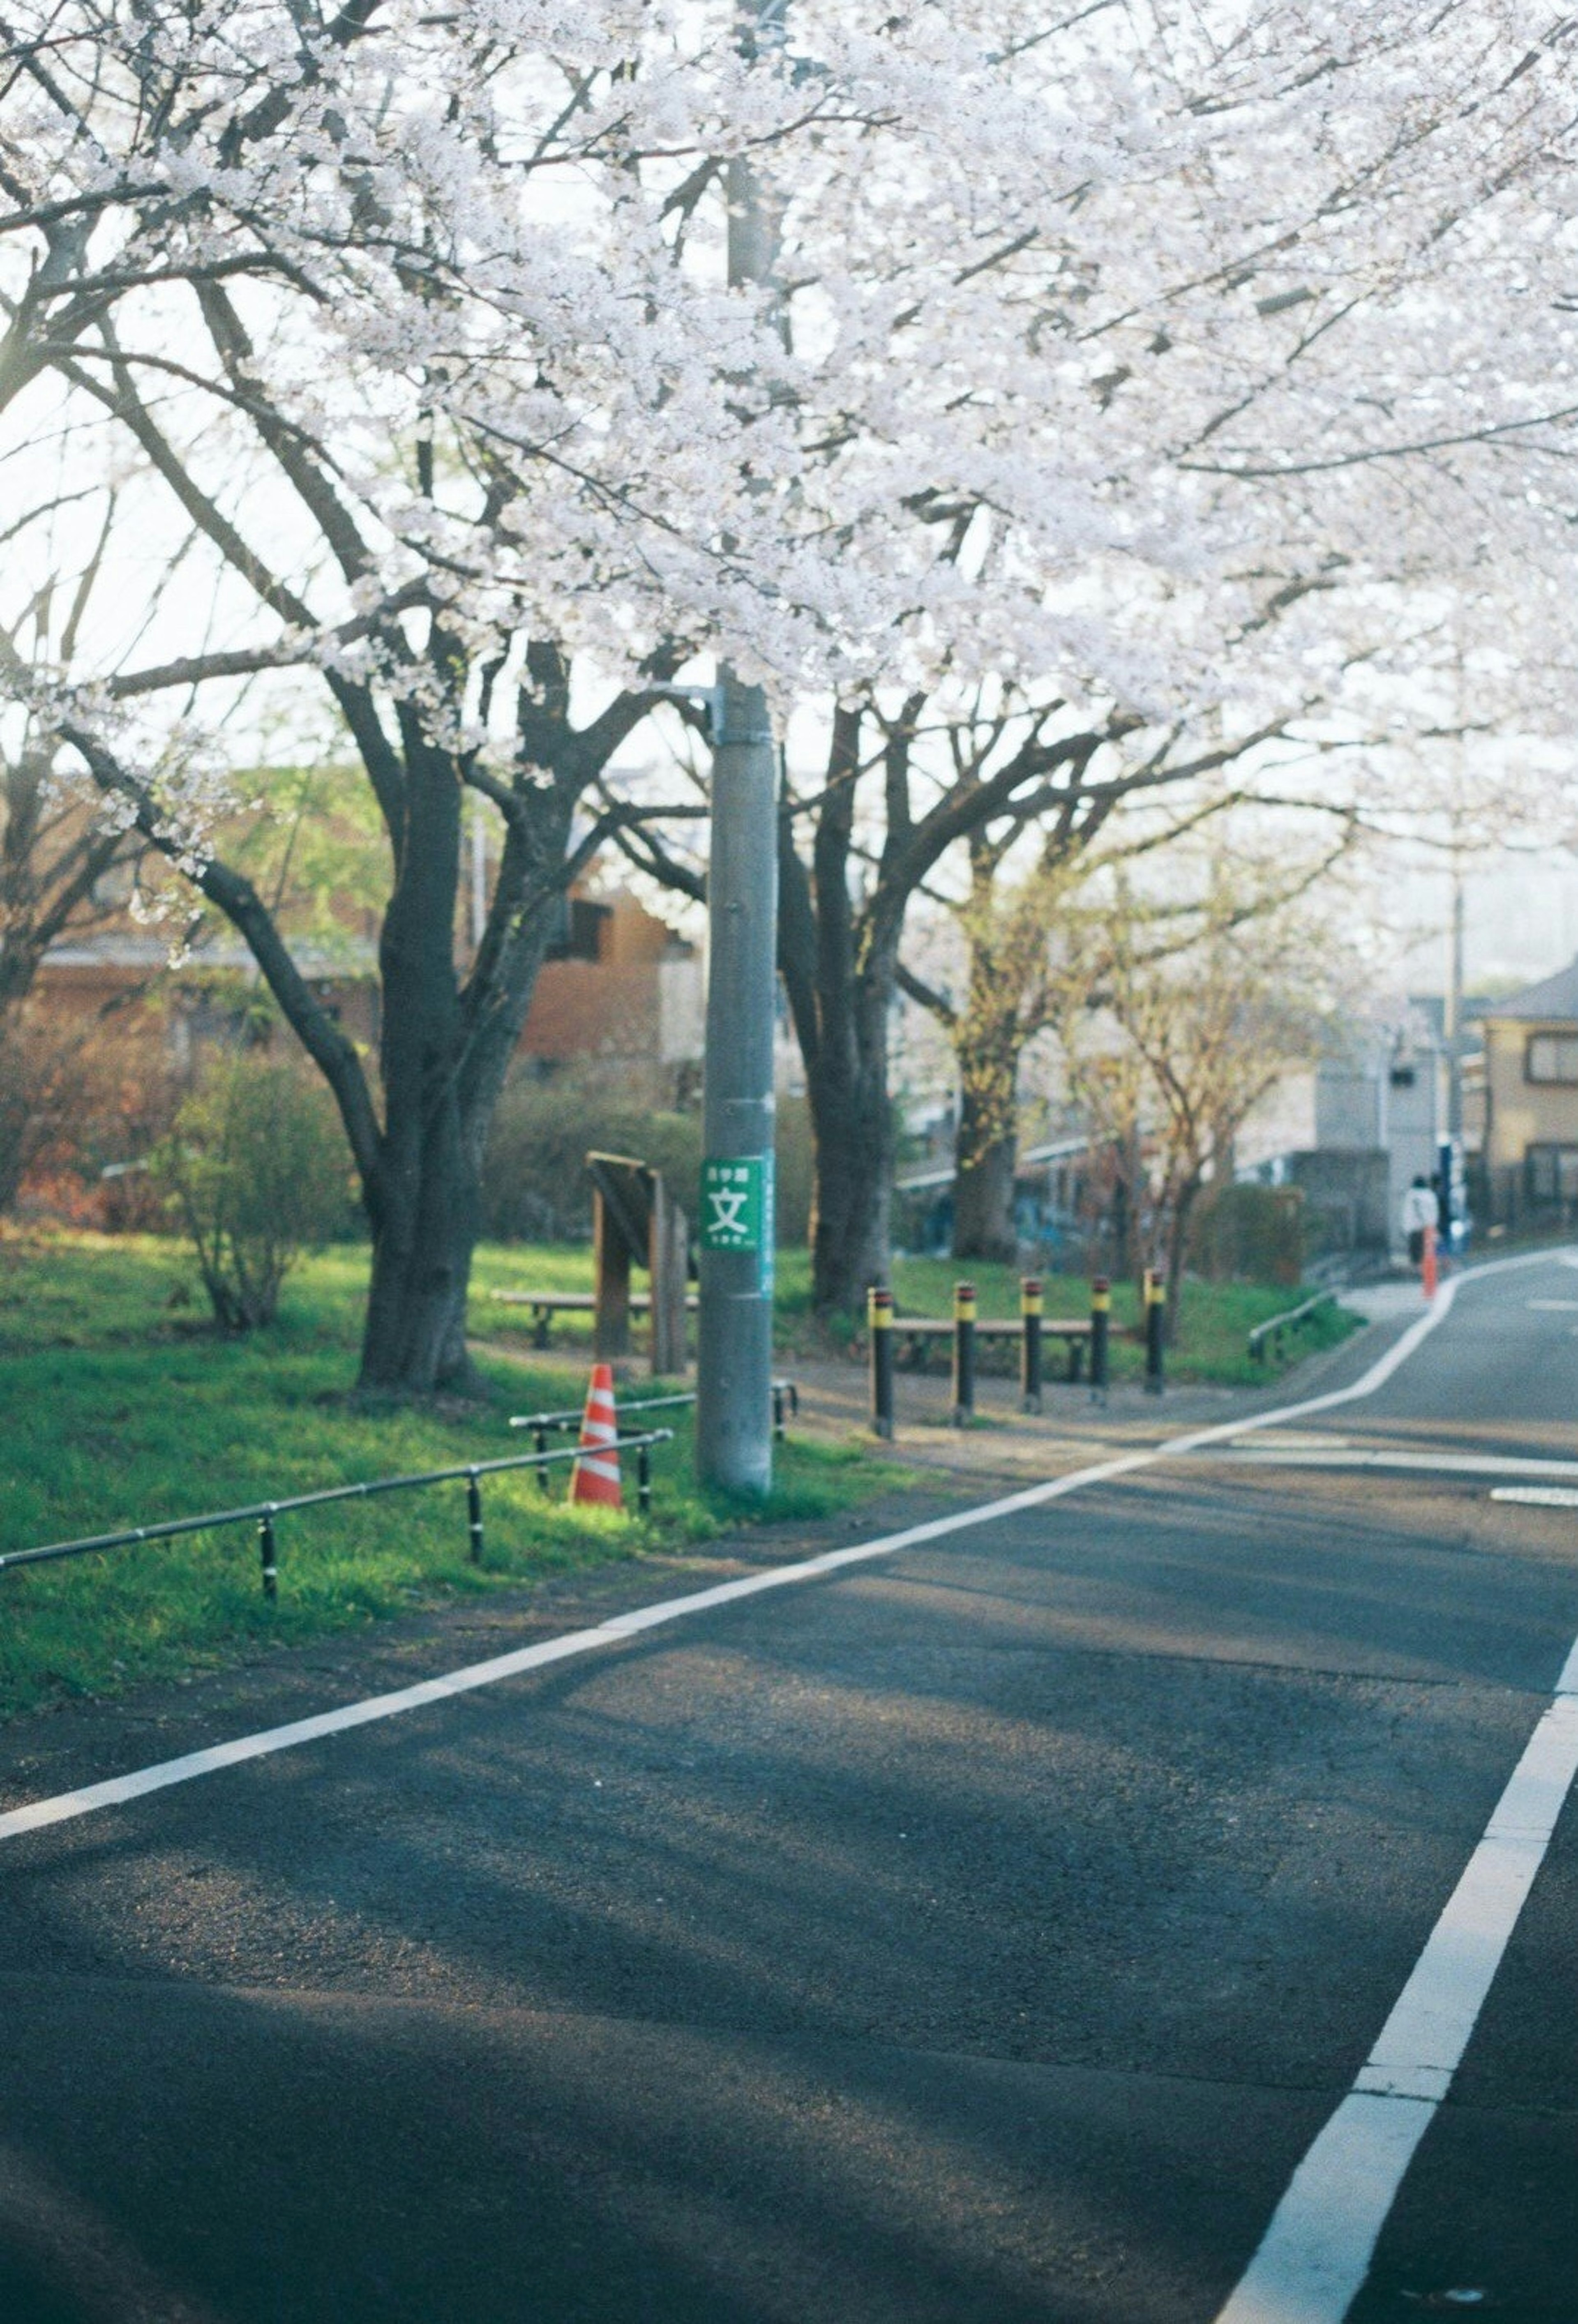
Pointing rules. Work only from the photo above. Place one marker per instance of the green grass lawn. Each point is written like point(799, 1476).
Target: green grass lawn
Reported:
point(121, 1408)
point(1213, 1321)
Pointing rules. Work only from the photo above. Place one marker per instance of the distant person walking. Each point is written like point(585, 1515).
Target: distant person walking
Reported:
point(1420, 1210)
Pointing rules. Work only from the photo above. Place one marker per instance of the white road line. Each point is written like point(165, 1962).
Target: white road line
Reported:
point(1317, 2249)
point(1316, 2253)
point(1443, 1464)
point(116, 1790)
point(1538, 1497)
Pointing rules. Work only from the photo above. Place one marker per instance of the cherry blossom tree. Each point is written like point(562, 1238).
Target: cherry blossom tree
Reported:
point(1100, 350)
point(1182, 1008)
point(1184, 446)
point(380, 312)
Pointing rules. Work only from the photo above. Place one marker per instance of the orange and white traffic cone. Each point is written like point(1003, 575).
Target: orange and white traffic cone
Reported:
point(594, 1478)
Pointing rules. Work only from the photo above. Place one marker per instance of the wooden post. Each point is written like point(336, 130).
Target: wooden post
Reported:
point(611, 1327)
point(670, 1264)
point(1100, 1322)
point(880, 1325)
point(1156, 1297)
point(1030, 1345)
point(963, 1354)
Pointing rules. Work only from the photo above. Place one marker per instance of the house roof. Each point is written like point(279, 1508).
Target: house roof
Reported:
point(1556, 998)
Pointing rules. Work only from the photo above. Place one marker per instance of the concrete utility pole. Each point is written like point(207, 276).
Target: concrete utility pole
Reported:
point(734, 1430)
point(1454, 1011)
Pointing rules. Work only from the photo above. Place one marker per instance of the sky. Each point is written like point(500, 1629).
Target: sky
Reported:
point(1520, 920)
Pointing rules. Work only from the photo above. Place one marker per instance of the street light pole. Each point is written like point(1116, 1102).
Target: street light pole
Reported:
point(1454, 1011)
point(733, 1385)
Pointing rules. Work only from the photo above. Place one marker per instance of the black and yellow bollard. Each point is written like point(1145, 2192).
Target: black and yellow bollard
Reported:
point(268, 1553)
point(1030, 1344)
point(474, 1515)
point(1101, 1323)
point(1156, 1304)
point(880, 1323)
point(963, 1354)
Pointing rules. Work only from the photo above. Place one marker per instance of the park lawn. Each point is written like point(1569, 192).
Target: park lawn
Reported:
point(121, 1408)
point(1211, 1345)
point(1214, 1319)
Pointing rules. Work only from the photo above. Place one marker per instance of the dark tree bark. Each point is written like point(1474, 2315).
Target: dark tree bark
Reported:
point(839, 964)
point(447, 1039)
point(839, 952)
point(840, 920)
point(1011, 995)
point(988, 1149)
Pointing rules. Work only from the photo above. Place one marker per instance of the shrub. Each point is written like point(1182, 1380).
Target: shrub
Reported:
point(534, 1182)
point(41, 1093)
point(795, 1170)
point(82, 1096)
point(1247, 1233)
point(256, 1170)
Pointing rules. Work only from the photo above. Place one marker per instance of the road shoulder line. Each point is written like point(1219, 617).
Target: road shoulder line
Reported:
point(116, 1791)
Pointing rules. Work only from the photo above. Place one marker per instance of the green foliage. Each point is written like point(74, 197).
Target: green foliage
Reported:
point(256, 1171)
point(1214, 1320)
point(534, 1182)
point(125, 1416)
point(535, 1186)
point(316, 849)
point(1249, 1235)
point(40, 1093)
point(795, 1172)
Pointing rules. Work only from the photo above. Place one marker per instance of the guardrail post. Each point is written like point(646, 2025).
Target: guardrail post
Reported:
point(539, 1444)
point(1156, 1300)
point(1101, 1321)
point(964, 1353)
point(268, 1556)
point(644, 1480)
point(1031, 1348)
point(880, 1325)
point(473, 1515)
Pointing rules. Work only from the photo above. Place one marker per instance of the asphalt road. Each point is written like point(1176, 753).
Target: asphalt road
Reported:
point(980, 1937)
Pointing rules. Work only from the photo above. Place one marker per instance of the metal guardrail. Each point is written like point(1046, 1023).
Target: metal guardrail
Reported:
point(1276, 1325)
point(264, 1514)
point(785, 1406)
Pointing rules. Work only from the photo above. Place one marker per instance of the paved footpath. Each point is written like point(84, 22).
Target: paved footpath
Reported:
point(985, 1932)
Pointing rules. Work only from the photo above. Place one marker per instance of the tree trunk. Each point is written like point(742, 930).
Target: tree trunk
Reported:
point(1177, 1248)
point(422, 1193)
point(987, 1149)
point(852, 1126)
point(414, 1339)
point(984, 1226)
point(840, 967)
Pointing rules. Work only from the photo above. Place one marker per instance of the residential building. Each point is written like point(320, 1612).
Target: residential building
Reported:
point(1355, 1130)
point(1531, 1103)
point(618, 989)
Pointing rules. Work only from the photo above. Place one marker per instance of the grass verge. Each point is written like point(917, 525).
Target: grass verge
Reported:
point(1211, 1327)
point(1211, 1345)
point(121, 1408)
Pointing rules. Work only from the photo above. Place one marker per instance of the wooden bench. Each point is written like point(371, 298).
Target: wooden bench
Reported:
point(917, 1332)
point(546, 1305)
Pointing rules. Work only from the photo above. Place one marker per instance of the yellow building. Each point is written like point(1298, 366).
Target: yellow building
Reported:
point(1531, 1103)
